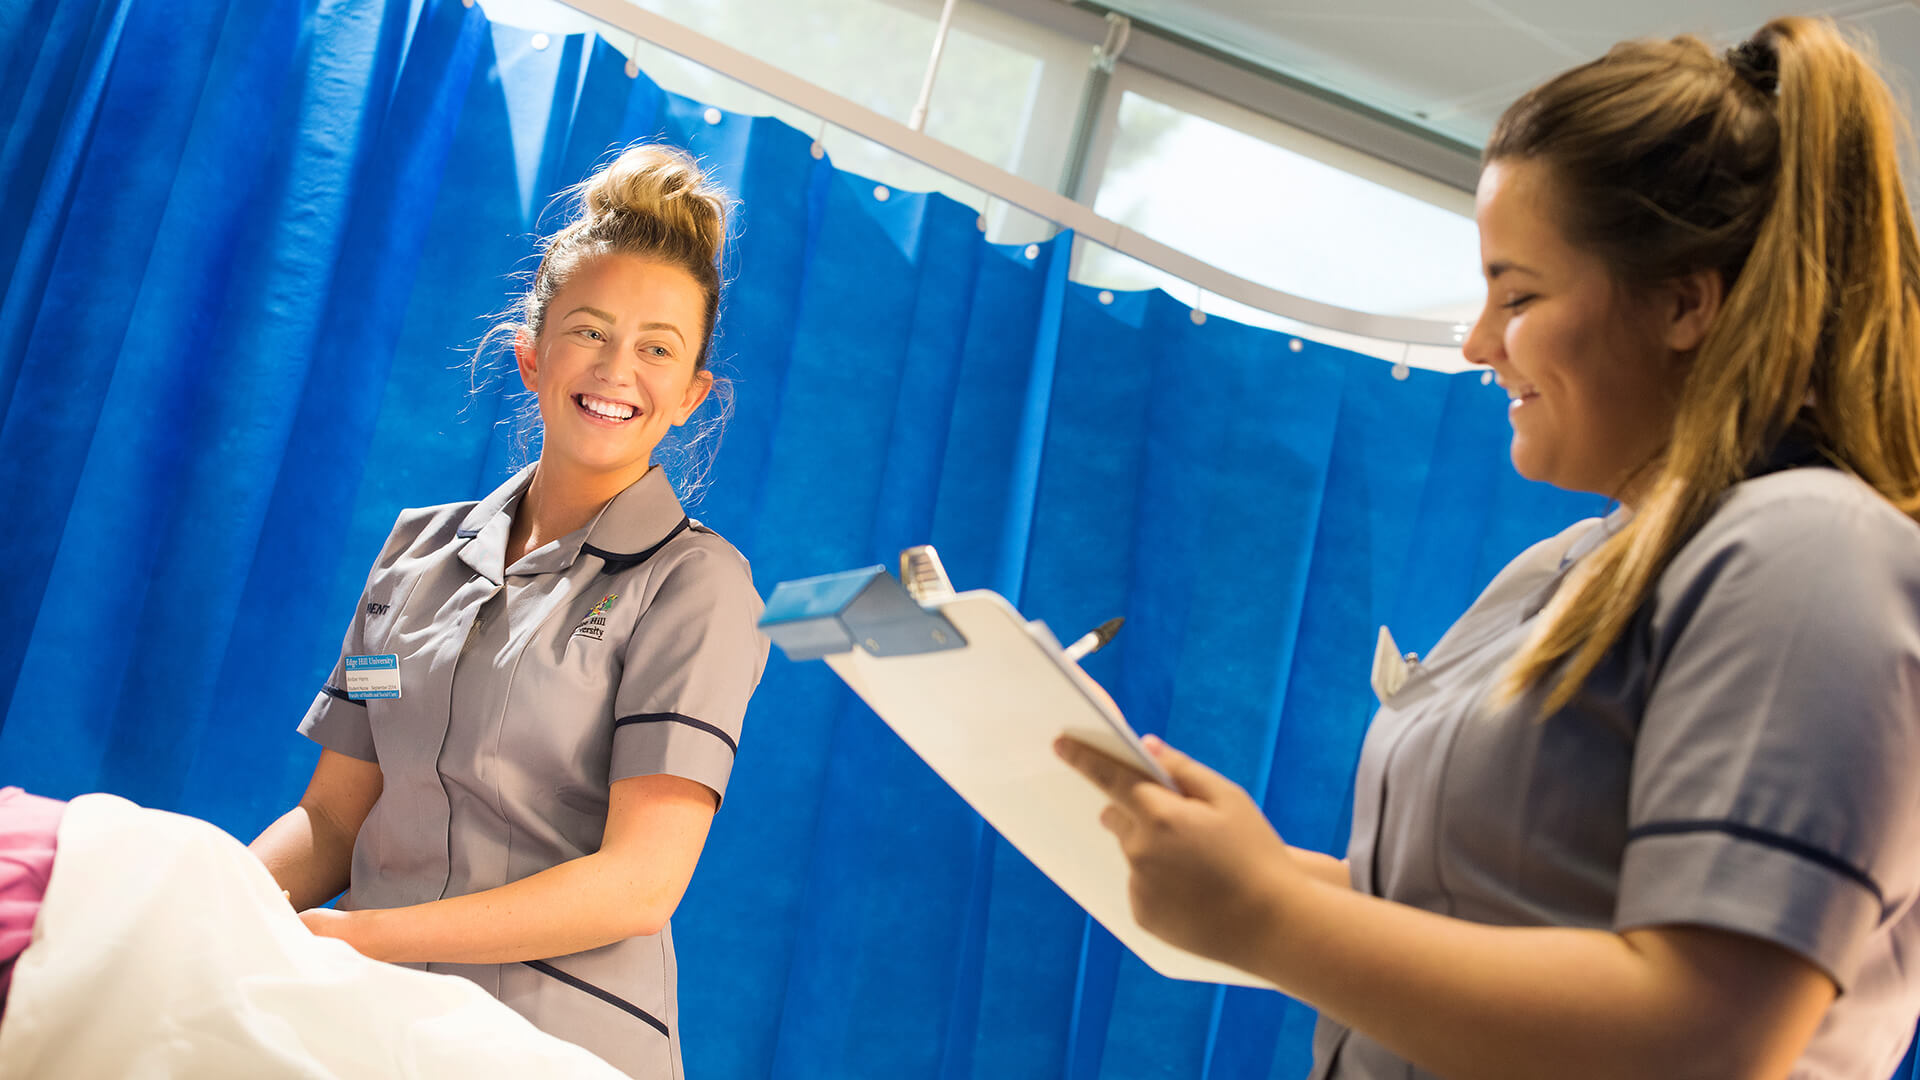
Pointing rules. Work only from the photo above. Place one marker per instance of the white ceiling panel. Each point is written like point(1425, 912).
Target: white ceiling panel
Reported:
point(1619, 19)
point(1391, 64)
point(1454, 65)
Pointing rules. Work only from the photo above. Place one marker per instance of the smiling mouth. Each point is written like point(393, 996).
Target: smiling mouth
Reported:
point(1520, 395)
point(604, 410)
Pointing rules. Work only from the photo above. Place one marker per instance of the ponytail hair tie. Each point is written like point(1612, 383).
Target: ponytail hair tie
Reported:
point(1757, 63)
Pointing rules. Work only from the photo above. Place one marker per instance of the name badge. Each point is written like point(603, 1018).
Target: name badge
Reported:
point(373, 676)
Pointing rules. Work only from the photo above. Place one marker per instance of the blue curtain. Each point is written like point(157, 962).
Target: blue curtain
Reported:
point(246, 246)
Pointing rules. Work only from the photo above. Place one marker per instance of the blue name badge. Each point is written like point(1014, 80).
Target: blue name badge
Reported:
point(373, 676)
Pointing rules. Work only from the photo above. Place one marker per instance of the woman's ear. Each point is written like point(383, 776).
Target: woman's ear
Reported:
point(1689, 305)
point(697, 390)
point(525, 357)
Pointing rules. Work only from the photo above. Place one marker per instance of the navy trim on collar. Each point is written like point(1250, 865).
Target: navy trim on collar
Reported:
point(640, 514)
point(616, 562)
point(1798, 448)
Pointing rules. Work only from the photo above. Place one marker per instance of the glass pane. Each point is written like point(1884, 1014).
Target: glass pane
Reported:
point(998, 95)
point(1278, 217)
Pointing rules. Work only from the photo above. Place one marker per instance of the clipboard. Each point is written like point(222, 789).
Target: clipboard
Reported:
point(980, 694)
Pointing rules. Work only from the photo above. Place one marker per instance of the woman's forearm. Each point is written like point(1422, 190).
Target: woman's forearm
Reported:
point(1457, 998)
point(1464, 999)
point(309, 850)
point(656, 827)
point(306, 855)
point(1323, 867)
point(580, 904)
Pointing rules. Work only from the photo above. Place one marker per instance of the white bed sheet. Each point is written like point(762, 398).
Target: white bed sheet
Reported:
point(164, 949)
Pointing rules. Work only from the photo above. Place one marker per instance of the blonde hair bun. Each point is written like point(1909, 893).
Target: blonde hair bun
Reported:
point(664, 183)
point(652, 201)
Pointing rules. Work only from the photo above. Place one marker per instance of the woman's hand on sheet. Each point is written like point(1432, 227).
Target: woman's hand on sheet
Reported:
point(330, 922)
point(1207, 866)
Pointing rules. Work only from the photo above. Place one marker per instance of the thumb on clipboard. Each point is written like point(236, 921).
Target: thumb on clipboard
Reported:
point(1206, 863)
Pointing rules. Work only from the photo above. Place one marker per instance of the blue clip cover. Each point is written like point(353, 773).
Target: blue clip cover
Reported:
point(819, 616)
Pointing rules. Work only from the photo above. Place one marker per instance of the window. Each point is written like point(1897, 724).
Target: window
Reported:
point(1280, 207)
point(1006, 92)
point(1229, 186)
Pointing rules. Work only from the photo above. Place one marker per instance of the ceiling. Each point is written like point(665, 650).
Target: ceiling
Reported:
point(1451, 66)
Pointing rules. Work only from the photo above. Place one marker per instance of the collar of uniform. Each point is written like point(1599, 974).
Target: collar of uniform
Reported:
point(1584, 544)
point(485, 528)
point(1581, 546)
point(1800, 447)
point(637, 523)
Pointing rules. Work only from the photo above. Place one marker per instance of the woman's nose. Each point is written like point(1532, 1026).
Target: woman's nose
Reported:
point(1482, 343)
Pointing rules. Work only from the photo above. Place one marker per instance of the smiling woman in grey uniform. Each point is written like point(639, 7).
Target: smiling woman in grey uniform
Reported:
point(1651, 807)
point(538, 701)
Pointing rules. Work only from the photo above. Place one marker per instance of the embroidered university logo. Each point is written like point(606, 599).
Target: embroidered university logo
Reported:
point(595, 624)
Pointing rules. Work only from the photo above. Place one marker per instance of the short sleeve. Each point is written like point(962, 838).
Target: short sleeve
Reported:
point(334, 720)
point(690, 667)
point(1778, 762)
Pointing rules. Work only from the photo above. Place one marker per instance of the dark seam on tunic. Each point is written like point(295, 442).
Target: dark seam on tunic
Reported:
point(617, 562)
point(334, 692)
point(1379, 829)
point(1769, 839)
point(616, 1001)
point(676, 718)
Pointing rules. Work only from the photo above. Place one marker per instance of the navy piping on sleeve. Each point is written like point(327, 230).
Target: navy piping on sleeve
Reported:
point(616, 562)
point(1769, 839)
point(676, 718)
point(336, 692)
point(614, 1000)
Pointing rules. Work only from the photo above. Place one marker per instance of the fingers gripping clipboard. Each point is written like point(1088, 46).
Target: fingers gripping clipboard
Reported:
point(980, 694)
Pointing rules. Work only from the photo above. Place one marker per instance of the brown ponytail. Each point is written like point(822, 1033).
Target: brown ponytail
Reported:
point(1777, 167)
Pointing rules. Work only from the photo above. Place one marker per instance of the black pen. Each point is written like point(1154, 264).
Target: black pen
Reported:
point(1093, 640)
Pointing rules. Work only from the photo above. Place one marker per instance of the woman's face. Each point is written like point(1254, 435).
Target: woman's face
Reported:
point(613, 366)
point(1592, 378)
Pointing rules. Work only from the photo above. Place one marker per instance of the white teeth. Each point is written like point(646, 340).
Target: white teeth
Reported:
point(612, 410)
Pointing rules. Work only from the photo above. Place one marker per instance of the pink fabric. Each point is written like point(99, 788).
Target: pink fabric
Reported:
point(28, 825)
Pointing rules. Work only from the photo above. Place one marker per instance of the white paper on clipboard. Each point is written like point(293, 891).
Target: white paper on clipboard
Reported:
point(985, 717)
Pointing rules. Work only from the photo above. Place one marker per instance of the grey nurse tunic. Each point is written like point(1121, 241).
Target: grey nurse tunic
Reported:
point(628, 648)
point(1746, 758)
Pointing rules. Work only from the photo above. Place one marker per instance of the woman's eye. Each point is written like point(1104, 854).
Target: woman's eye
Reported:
point(1518, 302)
point(591, 334)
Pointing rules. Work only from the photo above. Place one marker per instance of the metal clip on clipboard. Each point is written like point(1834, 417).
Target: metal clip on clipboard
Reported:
point(980, 694)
